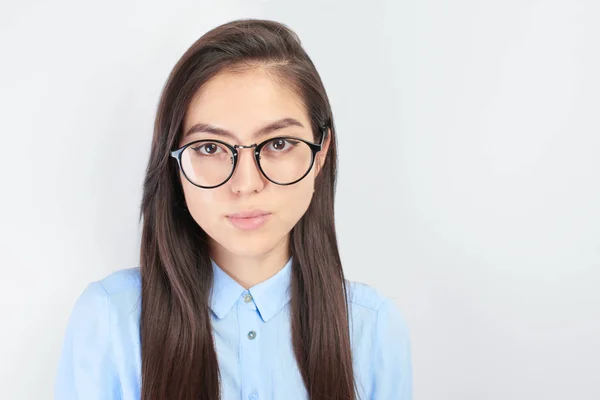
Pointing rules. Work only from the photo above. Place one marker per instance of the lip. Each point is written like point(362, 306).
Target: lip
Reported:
point(248, 214)
point(249, 220)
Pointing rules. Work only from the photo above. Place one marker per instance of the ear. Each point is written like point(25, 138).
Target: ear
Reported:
point(322, 155)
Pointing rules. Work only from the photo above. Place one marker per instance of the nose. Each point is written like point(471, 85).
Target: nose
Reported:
point(247, 178)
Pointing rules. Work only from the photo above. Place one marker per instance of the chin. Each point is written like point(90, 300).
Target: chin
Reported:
point(247, 251)
point(249, 245)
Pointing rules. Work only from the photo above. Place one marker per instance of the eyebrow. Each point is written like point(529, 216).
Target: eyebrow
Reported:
point(273, 126)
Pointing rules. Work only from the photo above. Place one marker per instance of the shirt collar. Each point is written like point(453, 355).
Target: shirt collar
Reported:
point(269, 296)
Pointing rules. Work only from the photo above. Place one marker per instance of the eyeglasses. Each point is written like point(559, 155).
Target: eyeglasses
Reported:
point(283, 160)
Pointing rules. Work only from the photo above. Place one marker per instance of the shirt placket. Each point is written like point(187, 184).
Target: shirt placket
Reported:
point(250, 337)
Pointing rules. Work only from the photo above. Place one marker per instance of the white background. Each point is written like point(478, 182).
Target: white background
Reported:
point(469, 183)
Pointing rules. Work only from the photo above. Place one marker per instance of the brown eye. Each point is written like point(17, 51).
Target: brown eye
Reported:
point(210, 148)
point(279, 144)
point(207, 149)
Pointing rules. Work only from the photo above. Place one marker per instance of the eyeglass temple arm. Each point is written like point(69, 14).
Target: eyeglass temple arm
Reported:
point(324, 135)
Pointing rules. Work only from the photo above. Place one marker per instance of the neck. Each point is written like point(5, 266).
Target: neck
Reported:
point(249, 270)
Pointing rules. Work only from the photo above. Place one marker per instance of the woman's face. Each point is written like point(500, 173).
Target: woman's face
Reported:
point(242, 103)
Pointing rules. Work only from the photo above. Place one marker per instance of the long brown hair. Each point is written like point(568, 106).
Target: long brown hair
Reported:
point(178, 354)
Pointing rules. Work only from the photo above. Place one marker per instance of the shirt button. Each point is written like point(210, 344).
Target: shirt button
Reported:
point(253, 396)
point(251, 335)
point(247, 298)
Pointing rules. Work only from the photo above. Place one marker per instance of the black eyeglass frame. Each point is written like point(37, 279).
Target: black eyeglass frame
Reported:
point(314, 147)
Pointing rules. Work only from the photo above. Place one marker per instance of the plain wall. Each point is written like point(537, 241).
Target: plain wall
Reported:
point(469, 178)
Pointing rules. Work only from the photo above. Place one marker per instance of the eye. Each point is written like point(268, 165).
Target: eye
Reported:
point(280, 145)
point(208, 149)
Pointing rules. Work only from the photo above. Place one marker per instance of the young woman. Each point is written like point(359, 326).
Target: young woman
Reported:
point(240, 292)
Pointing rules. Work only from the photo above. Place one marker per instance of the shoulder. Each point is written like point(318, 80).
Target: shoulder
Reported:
point(102, 300)
point(369, 306)
point(118, 284)
point(364, 295)
point(381, 343)
point(123, 280)
point(101, 324)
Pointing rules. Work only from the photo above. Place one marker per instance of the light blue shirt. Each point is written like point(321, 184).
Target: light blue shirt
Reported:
point(100, 357)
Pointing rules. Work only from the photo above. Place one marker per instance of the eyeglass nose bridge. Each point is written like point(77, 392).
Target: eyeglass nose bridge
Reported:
point(239, 146)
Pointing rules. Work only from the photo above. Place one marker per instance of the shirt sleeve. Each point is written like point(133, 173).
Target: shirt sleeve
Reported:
point(392, 363)
point(86, 369)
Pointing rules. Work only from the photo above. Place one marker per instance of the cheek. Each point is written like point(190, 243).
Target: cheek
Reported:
point(295, 201)
point(200, 201)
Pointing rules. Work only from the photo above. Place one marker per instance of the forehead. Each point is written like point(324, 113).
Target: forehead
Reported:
point(244, 102)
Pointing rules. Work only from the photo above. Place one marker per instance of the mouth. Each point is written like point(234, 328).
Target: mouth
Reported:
point(249, 220)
